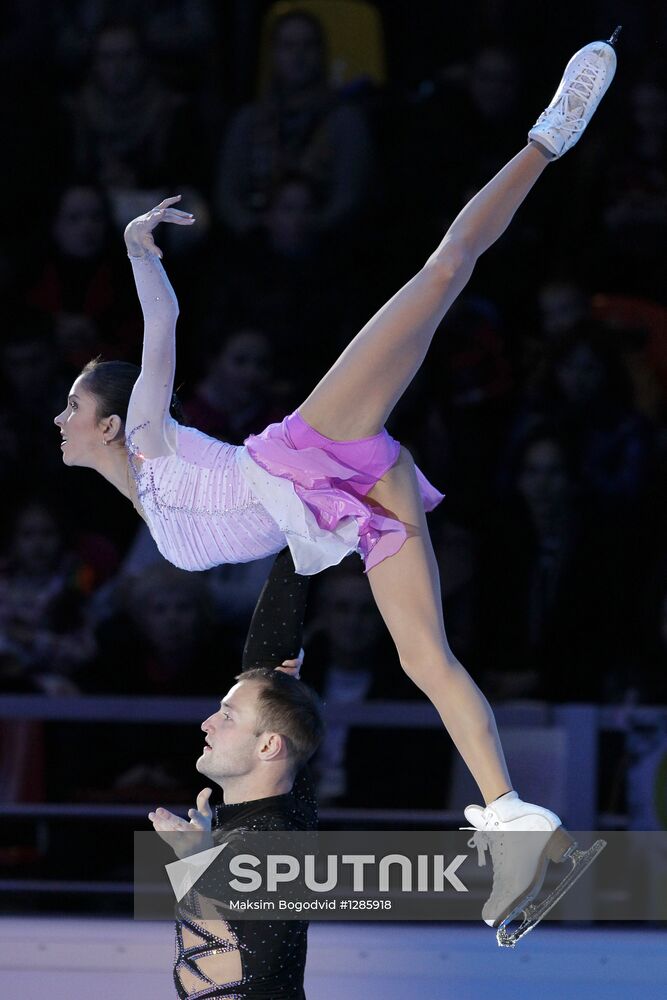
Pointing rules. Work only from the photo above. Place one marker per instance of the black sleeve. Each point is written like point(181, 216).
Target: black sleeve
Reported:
point(275, 635)
point(276, 629)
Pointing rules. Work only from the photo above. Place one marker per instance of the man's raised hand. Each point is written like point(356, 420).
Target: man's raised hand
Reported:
point(197, 829)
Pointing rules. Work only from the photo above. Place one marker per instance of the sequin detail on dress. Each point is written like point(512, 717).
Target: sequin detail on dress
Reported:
point(198, 506)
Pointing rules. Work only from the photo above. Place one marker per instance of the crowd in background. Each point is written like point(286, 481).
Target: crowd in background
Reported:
point(540, 411)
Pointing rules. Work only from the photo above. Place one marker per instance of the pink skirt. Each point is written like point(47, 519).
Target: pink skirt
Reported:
point(331, 480)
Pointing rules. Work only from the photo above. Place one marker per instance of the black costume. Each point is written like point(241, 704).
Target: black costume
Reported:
point(269, 956)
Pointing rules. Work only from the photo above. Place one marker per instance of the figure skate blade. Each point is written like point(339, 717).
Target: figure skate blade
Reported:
point(534, 912)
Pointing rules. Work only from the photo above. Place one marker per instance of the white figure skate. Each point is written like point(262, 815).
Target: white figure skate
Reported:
point(586, 78)
point(522, 838)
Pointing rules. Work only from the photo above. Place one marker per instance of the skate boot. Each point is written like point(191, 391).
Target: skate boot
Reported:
point(586, 78)
point(522, 838)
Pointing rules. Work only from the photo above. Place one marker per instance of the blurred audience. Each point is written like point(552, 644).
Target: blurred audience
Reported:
point(291, 282)
point(300, 124)
point(550, 615)
point(30, 370)
point(633, 196)
point(79, 281)
point(44, 637)
point(593, 409)
point(123, 127)
point(180, 33)
point(163, 639)
point(236, 395)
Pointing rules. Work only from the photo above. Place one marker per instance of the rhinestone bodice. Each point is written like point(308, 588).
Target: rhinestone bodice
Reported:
point(197, 504)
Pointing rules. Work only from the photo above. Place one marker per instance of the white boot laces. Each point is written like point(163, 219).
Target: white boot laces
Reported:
point(480, 840)
point(568, 113)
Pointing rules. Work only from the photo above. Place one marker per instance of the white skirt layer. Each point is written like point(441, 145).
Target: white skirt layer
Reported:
point(313, 548)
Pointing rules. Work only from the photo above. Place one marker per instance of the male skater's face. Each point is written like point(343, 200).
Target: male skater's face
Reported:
point(232, 741)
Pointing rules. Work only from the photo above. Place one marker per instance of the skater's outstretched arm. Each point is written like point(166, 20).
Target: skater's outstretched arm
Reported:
point(151, 396)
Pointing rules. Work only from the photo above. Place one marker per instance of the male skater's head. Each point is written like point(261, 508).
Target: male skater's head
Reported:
point(268, 726)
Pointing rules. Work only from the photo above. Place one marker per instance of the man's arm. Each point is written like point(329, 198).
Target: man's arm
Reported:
point(276, 629)
point(276, 636)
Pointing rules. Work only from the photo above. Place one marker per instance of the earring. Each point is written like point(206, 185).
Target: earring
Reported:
point(105, 440)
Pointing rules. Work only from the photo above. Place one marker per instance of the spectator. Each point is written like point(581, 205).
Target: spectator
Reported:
point(593, 409)
point(236, 396)
point(181, 33)
point(81, 283)
point(288, 280)
point(550, 621)
point(631, 198)
point(124, 128)
point(478, 99)
point(300, 124)
point(29, 371)
point(163, 639)
point(43, 586)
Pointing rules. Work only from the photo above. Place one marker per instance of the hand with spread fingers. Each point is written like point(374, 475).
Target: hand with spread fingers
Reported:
point(139, 233)
point(196, 831)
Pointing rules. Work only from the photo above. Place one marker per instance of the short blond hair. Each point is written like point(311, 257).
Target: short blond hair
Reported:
point(290, 708)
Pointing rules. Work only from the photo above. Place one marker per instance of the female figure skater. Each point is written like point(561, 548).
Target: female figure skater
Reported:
point(329, 480)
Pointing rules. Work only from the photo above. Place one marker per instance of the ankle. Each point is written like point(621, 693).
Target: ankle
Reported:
point(546, 153)
point(510, 791)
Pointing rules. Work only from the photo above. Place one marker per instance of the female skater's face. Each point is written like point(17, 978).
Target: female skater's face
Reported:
point(80, 428)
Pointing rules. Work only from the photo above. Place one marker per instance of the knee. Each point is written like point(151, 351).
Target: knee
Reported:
point(427, 669)
point(453, 259)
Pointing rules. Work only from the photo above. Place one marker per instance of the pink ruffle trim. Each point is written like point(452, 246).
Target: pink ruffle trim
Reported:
point(332, 479)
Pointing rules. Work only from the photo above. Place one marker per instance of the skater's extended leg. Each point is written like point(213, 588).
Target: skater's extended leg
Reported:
point(406, 589)
point(358, 393)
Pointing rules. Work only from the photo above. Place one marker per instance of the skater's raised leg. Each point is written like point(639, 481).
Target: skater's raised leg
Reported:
point(358, 393)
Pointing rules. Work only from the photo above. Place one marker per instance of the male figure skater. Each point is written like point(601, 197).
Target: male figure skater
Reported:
point(257, 743)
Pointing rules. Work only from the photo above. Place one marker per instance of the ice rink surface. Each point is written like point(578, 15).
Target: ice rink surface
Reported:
point(64, 958)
